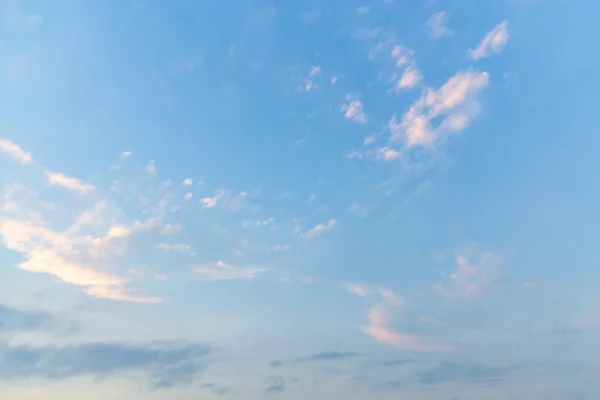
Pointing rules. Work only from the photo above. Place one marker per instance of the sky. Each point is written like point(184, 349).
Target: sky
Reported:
point(258, 199)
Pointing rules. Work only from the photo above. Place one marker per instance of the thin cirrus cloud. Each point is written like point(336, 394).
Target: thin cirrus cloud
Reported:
point(404, 59)
point(438, 25)
point(353, 110)
point(456, 102)
point(476, 269)
point(380, 319)
point(84, 255)
point(492, 43)
point(69, 182)
point(164, 366)
point(319, 229)
point(220, 270)
point(14, 151)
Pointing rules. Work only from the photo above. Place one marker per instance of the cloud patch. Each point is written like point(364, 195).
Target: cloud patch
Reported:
point(165, 366)
point(438, 25)
point(353, 110)
point(493, 43)
point(15, 152)
point(222, 271)
point(379, 322)
point(68, 182)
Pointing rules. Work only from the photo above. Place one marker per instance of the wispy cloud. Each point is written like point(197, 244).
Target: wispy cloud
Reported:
point(319, 229)
point(225, 200)
point(223, 271)
point(476, 269)
point(175, 247)
point(492, 43)
point(438, 25)
point(68, 182)
point(188, 182)
point(258, 223)
point(404, 59)
point(164, 366)
point(353, 110)
point(9, 148)
point(357, 289)
point(151, 167)
point(456, 102)
point(75, 255)
point(380, 319)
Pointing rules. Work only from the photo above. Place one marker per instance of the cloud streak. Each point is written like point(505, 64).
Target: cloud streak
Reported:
point(68, 182)
point(493, 43)
point(165, 366)
point(222, 271)
point(12, 150)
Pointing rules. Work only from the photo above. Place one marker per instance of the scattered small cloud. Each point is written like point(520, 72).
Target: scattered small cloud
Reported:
point(68, 182)
point(438, 25)
point(476, 269)
point(353, 110)
point(222, 271)
point(259, 223)
point(456, 101)
point(188, 195)
point(404, 59)
point(357, 289)
point(492, 43)
point(151, 167)
point(175, 247)
point(188, 182)
point(319, 229)
point(380, 319)
point(11, 149)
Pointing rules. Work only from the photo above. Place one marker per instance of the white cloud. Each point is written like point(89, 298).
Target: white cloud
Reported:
point(334, 80)
point(456, 101)
point(492, 43)
point(369, 140)
point(151, 167)
point(404, 59)
point(357, 289)
point(314, 71)
point(319, 229)
point(126, 154)
point(14, 151)
point(68, 182)
point(188, 195)
point(410, 78)
point(476, 269)
point(438, 25)
point(380, 319)
point(388, 154)
point(209, 202)
point(75, 255)
point(225, 200)
point(258, 223)
point(188, 182)
point(175, 247)
point(222, 271)
point(353, 110)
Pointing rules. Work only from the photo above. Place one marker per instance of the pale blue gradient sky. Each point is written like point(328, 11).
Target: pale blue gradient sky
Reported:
point(317, 199)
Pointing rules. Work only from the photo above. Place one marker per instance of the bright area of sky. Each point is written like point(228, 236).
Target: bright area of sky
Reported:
point(252, 199)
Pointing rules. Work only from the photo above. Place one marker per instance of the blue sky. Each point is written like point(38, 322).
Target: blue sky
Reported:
point(376, 199)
